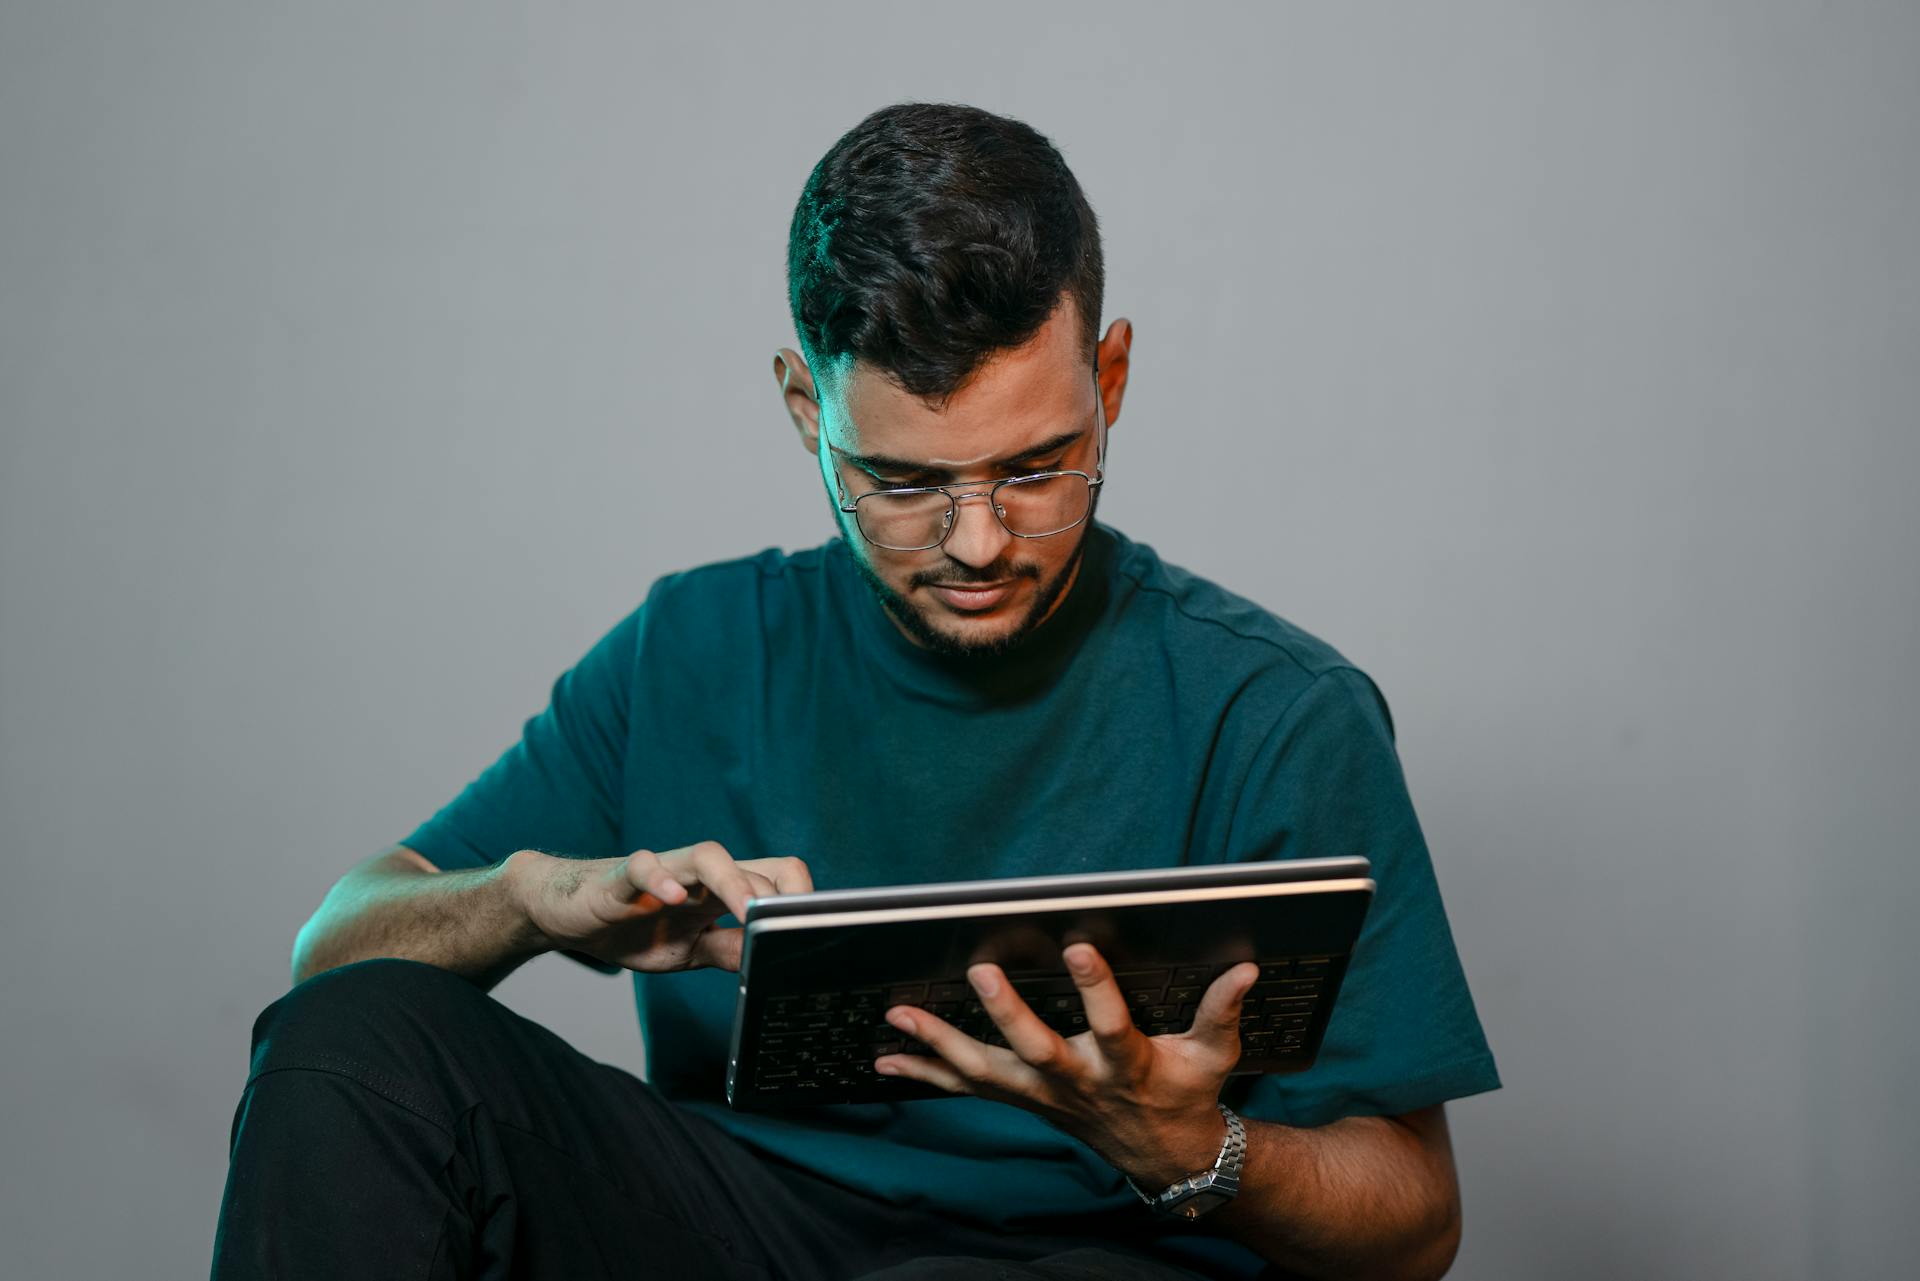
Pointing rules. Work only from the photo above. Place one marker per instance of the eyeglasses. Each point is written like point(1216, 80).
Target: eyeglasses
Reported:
point(1040, 505)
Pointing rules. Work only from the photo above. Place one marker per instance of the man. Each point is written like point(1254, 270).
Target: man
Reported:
point(974, 679)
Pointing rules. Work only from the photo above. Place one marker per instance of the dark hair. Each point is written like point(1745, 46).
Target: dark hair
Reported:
point(931, 236)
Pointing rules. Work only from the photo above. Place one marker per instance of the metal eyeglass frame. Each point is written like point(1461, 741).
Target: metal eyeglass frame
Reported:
point(1094, 482)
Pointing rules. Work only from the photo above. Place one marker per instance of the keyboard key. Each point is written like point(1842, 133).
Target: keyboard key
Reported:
point(1182, 995)
point(949, 992)
point(1312, 967)
point(907, 994)
point(1271, 970)
point(1192, 976)
point(1155, 979)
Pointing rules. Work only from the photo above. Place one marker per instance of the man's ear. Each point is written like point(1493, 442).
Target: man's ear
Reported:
point(1113, 367)
point(797, 390)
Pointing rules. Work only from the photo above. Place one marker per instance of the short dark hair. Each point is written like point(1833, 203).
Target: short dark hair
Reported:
point(931, 236)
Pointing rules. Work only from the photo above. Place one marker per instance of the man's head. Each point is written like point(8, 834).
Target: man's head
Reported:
point(945, 277)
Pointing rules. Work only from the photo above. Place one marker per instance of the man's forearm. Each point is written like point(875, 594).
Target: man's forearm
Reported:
point(1362, 1197)
point(397, 904)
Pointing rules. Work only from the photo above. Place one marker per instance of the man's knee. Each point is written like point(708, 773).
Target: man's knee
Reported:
point(376, 1007)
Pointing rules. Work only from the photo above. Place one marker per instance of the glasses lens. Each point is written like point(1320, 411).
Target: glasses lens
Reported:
point(902, 522)
point(1044, 505)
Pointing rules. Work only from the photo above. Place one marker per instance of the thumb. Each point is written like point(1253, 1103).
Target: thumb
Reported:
point(1218, 1018)
point(719, 948)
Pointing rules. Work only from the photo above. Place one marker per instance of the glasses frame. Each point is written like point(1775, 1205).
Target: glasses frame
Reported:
point(990, 491)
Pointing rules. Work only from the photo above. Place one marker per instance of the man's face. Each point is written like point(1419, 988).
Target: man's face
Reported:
point(1028, 410)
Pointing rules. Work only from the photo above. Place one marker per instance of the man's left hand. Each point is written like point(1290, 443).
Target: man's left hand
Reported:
point(1146, 1104)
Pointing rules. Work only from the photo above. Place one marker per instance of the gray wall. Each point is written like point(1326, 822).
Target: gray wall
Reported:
point(1560, 363)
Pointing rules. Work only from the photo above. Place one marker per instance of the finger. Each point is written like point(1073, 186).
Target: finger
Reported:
point(1217, 1021)
point(717, 870)
point(1027, 1036)
point(977, 1064)
point(759, 887)
point(791, 876)
point(642, 872)
point(1107, 1015)
point(919, 1067)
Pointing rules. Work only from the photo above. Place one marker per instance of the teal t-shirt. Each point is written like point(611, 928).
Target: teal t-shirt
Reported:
point(1156, 719)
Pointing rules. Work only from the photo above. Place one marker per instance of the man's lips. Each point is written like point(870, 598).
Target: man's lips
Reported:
point(973, 596)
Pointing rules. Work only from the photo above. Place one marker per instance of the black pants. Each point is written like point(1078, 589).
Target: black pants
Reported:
point(400, 1122)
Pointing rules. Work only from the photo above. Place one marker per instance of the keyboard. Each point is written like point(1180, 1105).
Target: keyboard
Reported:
point(819, 1046)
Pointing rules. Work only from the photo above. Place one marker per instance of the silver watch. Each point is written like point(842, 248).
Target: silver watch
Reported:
point(1211, 1188)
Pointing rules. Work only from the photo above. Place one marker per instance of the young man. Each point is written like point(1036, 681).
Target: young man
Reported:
point(974, 679)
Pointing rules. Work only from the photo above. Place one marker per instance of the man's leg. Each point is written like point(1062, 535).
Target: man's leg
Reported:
point(896, 1244)
point(399, 1122)
point(1082, 1263)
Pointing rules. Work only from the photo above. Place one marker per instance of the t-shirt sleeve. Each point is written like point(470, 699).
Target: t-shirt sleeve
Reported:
point(1327, 782)
point(559, 788)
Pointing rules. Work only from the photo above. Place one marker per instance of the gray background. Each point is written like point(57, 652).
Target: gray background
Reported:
point(359, 365)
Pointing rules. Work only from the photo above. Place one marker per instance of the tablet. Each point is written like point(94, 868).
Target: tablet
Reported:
point(819, 971)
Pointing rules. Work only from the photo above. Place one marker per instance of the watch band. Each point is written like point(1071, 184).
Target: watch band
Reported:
point(1207, 1189)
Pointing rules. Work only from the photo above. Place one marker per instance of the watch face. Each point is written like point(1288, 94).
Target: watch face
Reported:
point(1199, 1203)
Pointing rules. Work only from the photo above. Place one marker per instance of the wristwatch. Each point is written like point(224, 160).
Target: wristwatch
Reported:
point(1209, 1189)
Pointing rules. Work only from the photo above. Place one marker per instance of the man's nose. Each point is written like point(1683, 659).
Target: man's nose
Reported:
point(978, 537)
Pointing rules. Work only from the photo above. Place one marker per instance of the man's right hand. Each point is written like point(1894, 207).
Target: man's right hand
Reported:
point(649, 911)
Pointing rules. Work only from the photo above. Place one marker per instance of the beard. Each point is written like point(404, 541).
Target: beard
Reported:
point(918, 626)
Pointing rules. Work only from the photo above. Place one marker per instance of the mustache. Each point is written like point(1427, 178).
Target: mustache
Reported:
point(966, 576)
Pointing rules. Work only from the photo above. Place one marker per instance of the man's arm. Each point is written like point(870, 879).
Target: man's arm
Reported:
point(398, 904)
point(1361, 1197)
point(644, 911)
point(1366, 1196)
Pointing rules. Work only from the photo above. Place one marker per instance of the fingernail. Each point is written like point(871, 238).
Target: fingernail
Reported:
point(902, 1020)
point(1078, 962)
point(984, 982)
point(886, 1069)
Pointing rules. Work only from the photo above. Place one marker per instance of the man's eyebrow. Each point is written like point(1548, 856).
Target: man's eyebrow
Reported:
point(881, 463)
